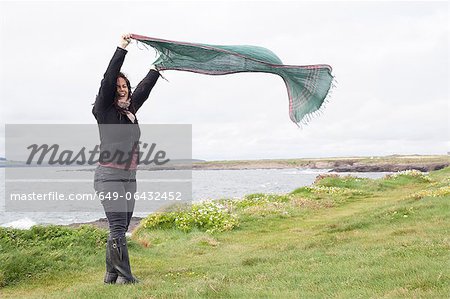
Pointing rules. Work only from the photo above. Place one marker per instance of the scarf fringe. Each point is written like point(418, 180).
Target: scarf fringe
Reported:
point(312, 115)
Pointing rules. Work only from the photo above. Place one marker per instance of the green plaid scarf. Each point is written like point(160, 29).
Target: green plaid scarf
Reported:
point(307, 85)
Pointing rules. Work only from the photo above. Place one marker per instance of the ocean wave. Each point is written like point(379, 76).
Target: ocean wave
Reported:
point(23, 223)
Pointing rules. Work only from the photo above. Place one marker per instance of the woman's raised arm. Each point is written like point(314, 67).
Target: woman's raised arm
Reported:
point(107, 91)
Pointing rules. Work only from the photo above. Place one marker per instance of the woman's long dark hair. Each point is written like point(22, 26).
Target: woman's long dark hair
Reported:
point(131, 108)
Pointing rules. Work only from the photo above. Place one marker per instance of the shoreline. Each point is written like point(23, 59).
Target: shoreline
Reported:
point(340, 165)
point(392, 163)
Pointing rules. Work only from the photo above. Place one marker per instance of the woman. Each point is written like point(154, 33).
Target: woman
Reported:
point(115, 177)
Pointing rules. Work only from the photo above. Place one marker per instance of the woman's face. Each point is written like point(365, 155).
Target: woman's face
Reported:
point(122, 90)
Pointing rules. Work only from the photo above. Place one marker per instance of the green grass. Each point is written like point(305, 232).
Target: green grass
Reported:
point(339, 238)
point(34, 253)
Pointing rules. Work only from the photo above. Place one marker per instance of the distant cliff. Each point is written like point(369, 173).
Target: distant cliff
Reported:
point(351, 164)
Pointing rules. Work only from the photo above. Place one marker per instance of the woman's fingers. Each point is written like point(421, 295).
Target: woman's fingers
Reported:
point(125, 40)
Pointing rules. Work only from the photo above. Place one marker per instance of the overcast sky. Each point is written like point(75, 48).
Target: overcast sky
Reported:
point(390, 59)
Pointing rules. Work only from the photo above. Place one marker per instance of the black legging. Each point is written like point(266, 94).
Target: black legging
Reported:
point(116, 189)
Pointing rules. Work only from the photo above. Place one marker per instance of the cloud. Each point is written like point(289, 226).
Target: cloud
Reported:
point(390, 60)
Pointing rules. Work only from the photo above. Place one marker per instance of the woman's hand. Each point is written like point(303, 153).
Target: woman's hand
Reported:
point(125, 40)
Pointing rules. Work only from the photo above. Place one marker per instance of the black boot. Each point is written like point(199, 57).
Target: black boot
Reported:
point(111, 273)
point(121, 261)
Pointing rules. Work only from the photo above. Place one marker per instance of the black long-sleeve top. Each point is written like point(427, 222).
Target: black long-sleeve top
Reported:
point(104, 109)
point(122, 138)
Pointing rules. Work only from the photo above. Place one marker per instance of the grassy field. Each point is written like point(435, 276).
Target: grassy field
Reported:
point(342, 237)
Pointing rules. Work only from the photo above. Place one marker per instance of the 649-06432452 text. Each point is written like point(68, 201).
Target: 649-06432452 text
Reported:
point(57, 196)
